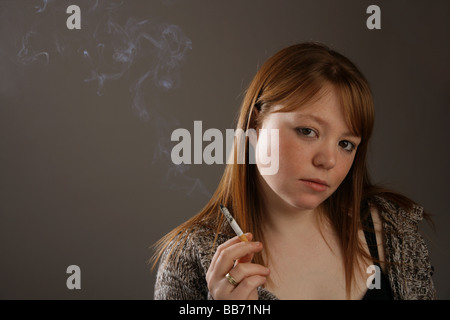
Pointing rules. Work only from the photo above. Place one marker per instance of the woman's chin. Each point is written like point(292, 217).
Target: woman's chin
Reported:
point(307, 203)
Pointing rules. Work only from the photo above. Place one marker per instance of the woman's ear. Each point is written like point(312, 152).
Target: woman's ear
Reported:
point(253, 125)
point(254, 119)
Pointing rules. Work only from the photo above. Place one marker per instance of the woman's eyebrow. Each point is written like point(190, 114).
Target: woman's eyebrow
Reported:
point(314, 118)
point(324, 123)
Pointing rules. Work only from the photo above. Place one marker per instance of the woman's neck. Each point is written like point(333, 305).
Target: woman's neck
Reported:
point(291, 223)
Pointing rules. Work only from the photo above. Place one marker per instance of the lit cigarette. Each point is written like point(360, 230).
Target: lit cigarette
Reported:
point(233, 223)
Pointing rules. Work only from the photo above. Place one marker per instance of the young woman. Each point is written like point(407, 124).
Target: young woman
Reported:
point(318, 228)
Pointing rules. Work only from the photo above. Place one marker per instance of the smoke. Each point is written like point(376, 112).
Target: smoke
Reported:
point(43, 6)
point(146, 52)
point(27, 54)
point(176, 177)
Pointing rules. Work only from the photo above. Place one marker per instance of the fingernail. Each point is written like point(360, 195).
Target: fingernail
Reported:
point(257, 244)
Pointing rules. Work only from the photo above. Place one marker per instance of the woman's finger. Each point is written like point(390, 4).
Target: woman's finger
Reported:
point(224, 287)
point(227, 256)
point(245, 270)
point(225, 245)
point(247, 289)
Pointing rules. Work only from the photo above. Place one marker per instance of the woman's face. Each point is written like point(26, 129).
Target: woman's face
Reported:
point(316, 151)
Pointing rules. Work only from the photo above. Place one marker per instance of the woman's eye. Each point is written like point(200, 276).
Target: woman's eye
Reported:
point(347, 145)
point(308, 132)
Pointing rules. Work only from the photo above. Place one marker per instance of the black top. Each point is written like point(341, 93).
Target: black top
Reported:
point(384, 292)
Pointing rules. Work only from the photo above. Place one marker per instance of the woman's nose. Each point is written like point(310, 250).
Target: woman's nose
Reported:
point(325, 157)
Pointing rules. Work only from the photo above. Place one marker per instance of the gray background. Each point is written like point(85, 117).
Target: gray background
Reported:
point(86, 116)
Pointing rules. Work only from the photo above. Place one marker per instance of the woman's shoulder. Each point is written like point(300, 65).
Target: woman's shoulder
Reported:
point(184, 263)
point(396, 215)
point(410, 270)
point(197, 243)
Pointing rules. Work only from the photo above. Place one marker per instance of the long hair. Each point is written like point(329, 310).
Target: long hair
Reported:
point(293, 77)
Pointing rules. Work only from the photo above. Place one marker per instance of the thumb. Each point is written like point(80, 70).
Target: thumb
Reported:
point(249, 257)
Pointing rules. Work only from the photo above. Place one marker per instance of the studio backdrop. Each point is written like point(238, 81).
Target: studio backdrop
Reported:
point(91, 92)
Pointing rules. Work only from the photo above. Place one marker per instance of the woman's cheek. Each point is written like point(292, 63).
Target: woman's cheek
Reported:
point(268, 151)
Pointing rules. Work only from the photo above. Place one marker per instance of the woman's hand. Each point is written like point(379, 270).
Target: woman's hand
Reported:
point(234, 257)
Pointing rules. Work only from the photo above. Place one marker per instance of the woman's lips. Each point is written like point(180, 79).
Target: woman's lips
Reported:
point(315, 184)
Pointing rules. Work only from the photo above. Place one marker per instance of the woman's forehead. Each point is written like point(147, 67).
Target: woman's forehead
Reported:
point(326, 96)
point(327, 112)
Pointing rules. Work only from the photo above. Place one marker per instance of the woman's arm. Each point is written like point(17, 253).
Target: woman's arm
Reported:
point(181, 277)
